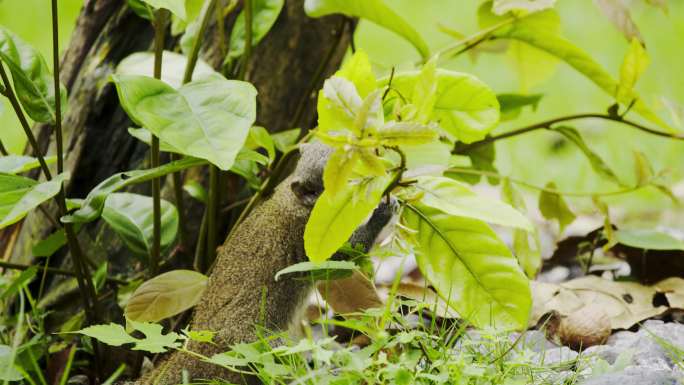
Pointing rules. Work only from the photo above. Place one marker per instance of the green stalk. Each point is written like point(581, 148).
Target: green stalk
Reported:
point(212, 208)
point(247, 9)
point(159, 34)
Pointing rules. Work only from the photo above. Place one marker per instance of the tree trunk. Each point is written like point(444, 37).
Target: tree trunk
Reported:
point(287, 68)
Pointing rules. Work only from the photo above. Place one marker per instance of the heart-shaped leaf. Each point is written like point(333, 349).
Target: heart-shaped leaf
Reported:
point(173, 67)
point(207, 119)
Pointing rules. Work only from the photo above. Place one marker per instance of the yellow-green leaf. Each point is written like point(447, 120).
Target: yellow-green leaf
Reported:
point(635, 63)
point(338, 170)
point(358, 70)
point(526, 245)
point(553, 206)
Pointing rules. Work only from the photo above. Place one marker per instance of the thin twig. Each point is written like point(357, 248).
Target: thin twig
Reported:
point(52, 270)
point(247, 9)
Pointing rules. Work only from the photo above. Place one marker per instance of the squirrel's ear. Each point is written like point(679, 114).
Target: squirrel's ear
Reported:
point(306, 193)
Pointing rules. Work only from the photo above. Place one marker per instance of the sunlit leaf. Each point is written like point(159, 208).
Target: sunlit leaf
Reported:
point(19, 195)
point(319, 268)
point(166, 295)
point(470, 267)
point(33, 81)
point(8, 371)
point(464, 106)
point(456, 198)
point(173, 67)
point(335, 217)
point(597, 163)
point(130, 215)
point(358, 70)
point(338, 102)
point(406, 134)
point(110, 334)
point(642, 169)
point(94, 202)
point(502, 6)
point(633, 66)
point(373, 10)
point(154, 342)
point(526, 245)
point(16, 164)
point(425, 91)
point(207, 119)
point(284, 140)
point(338, 169)
point(259, 137)
point(196, 190)
point(648, 239)
point(553, 206)
point(264, 15)
point(618, 13)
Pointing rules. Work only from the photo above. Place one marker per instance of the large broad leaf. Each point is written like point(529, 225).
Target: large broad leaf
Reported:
point(16, 164)
point(92, 206)
point(264, 15)
point(470, 267)
point(373, 10)
point(335, 217)
point(177, 7)
point(464, 107)
point(19, 195)
point(456, 198)
point(207, 119)
point(130, 215)
point(529, 31)
point(173, 67)
point(33, 81)
point(500, 7)
point(166, 295)
point(649, 240)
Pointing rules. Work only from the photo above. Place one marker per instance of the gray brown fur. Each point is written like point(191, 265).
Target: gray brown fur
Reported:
point(270, 239)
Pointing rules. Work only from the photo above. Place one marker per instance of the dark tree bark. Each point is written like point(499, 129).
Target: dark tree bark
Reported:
point(287, 68)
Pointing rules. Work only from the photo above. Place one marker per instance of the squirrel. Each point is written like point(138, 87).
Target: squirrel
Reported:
point(242, 293)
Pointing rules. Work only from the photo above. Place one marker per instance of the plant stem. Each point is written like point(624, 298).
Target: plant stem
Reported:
point(549, 123)
point(58, 99)
point(3, 150)
point(212, 208)
point(194, 53)
point(159, 34)
point(52, 270)
point(247, 9)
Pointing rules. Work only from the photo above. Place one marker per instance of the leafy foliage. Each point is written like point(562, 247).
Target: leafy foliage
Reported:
point(19, 195)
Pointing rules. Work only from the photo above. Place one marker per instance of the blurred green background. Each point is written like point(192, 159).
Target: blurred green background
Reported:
point(538, 157)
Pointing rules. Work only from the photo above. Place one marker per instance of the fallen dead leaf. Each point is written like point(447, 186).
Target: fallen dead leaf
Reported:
point(350, 295)
point(673, 288)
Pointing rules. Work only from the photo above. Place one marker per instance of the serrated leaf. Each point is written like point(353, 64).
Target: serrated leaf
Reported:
point(500, 7)
point(110, 334)
point(618, 13)
point(19, 195)
point(166, 295)
point(648, 239)
point(264, 15)
point(358, 70)
point(597, 163)
point(319, 268)
point(16, 164)
point(553, 207)
point(526, 244)
point(456, 198)
point(173, 67)
point(177, 7)
point(464, 107)
point(335, 217)
point(207, 119)
point(338, 102)
point(130, 216)
point(375, 11)
point(32, 79)
point(155, 341)
point(471, 268)
point(206, 336)
point(633, 66)
point(91, 208)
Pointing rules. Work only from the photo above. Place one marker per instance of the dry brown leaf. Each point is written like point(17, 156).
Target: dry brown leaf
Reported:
point(350, 295)
point(429, 297)
point(584, 327)
point(617, 12)
point(673, 288)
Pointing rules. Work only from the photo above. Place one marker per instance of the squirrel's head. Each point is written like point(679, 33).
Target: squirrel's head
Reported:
point(308, 175)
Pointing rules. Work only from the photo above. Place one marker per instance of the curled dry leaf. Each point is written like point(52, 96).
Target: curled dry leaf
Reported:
point(584, 327)
point(673, 288)
point(350, 295)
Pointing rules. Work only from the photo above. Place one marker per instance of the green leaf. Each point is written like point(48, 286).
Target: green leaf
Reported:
point(145, 136)
point(338, 170)
point(358, 70)
point(24, 278)
point(320, 269)
point(16, 164)
point(338, 103)
point(177, 7)
point(633, 66)
point(471, 268)
point(110, 334)
point(642, 169)
point(8, 369)
point(166, 295)
point(264, 15)
point(553, 206)
point(512, 104)
point(406, 134)
point(284, 140)
point(115, 335)
point(500, 7)
point(259, 137)
point(456, 198)
point(141, 9)
point(373, 10)
point(130, 215)
point(464, 106)
point(526, 245)
point(335, 217)
point(618, 13)
point(173, 67)
point(200, 335)
point(648, 239)
point(33, 81)
point(196, 190)
point(19, 195)
point(529, 31)
point(92, 206)
point(49, 245)
point(597, 163)
point(425, 91)
point(207, 119)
